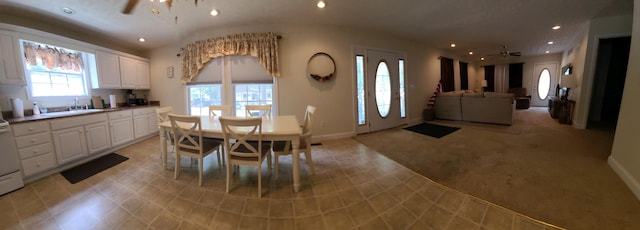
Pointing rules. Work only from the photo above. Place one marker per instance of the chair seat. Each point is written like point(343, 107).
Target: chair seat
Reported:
point(208, 144)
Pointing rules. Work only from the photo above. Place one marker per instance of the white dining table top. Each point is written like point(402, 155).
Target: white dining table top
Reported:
point(276, 125)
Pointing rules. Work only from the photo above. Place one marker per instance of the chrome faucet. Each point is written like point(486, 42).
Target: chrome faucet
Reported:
point(75, 103)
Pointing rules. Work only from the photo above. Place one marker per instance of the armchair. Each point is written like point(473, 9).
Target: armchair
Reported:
point(523, 101)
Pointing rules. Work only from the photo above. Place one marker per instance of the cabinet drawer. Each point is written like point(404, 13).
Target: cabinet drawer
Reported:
point(144, 111)
point(76, 121)
point(30, 128)
point(32, 140)
point(35, 150)
point(119, 114)
point(38, 164)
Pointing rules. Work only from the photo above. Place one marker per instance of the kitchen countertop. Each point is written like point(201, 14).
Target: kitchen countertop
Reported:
point(53, 115)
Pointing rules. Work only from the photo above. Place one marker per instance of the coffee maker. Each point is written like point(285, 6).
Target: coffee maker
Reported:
point(131, 98)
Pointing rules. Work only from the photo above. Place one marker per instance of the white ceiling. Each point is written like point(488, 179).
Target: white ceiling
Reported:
point(482, 26)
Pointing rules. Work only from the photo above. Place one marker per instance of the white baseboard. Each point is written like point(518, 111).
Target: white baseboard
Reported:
point(631, 182)
point(334, 136)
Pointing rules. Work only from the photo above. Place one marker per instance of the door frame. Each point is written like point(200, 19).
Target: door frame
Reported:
point(364, 52)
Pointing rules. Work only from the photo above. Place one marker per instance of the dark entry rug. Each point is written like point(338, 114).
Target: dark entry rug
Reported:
point(432, 130)
point(93, 167)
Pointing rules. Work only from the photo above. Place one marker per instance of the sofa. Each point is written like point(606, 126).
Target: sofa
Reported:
point(495, 108)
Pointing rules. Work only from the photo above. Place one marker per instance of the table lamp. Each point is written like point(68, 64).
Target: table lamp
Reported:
point(484, 85)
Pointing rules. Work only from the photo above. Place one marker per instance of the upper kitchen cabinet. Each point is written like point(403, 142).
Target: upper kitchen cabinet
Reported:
point(11, 72)
point(134, 73)
point(108, 71)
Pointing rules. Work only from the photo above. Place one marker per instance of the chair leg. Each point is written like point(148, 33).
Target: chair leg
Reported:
point(275, 161)
point(176, 170)
point(218, 152)
point(259, 180)
point(307, 156)
point(228, 175)
point(201, 162)
point(269, 163)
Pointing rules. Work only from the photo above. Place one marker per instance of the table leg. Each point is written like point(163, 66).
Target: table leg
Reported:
point(163, 147)
point(295, 151)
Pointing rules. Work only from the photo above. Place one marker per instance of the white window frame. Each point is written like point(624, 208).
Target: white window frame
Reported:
point(56, 99)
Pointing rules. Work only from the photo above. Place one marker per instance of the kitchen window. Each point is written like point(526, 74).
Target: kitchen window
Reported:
point(54, 72)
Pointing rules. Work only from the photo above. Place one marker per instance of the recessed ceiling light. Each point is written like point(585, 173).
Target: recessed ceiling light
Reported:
point(141, 39)
point(453, 44)
point(67, 10)
point(550, 42)
point(470, 52)
point(321, 4)
point(481, 59)
point(214, 12)
point(557, 27)
point(546, 52)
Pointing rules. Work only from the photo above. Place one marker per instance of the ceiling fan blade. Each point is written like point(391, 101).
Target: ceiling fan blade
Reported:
point(169, 3)
point(129, 7)
point(515, 54)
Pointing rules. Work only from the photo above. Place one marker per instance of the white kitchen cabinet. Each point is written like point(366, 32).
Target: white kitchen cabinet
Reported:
point(35, 147)
point(98, 137)
point(108, 71)
point(70, 144)
point(140, 125)
point(77, 137)
point(11, 71)
point(121, 127)
point(134, 74)
point(145, 122)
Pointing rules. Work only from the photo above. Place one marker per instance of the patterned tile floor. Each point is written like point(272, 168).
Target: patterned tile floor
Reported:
point(353, 188)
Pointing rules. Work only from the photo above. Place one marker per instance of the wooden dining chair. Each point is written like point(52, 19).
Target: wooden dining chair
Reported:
point(258, 110)
point(187, 133)
point(280, 148)
point(240, 151)
point(219, 110)
point(162, 115)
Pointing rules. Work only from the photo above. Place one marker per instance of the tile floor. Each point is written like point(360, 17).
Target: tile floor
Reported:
point(353, 188)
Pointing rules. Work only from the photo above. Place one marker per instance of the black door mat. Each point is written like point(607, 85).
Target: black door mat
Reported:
point(93, 167)
point(432, 130)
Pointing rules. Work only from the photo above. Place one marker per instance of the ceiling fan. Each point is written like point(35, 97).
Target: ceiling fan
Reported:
point(132, 3)
point(505, 53)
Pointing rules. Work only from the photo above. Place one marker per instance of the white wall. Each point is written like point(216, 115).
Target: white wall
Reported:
point(625, 153)
point(335, 99)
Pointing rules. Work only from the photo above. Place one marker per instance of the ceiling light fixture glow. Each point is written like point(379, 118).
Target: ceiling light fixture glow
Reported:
point(141, 39)
point(550, 42)
point(557, 27)
point(67, 10)
point(214, 12)
point(453, 44)
point(481, 59)
point(470, 52)
point(321, 4)
point(546, 52)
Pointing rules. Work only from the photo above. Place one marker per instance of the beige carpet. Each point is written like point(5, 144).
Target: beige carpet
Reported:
point(538, 167)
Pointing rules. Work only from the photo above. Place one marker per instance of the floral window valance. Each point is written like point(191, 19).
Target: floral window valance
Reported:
point(263, 46)
point(50, 58)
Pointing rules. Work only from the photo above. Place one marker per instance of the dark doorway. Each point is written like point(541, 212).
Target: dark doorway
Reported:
point(608, 82)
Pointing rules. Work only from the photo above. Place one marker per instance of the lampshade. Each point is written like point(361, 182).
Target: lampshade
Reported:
point(568, 81)
point(484, 83)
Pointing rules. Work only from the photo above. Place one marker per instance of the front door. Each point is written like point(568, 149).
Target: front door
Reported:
point(545, 79)
point(383, 91)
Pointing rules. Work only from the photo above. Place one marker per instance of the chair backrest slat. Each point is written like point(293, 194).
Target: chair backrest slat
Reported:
point(242, 130)
point(162, 113)
point(258, 110)
point(187, 131)
point(225, 110)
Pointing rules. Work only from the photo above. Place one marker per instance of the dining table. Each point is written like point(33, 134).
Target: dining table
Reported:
point(274, 128)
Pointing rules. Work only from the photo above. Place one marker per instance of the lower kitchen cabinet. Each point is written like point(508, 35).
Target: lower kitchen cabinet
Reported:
point(70, 144)
point(98, 137)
